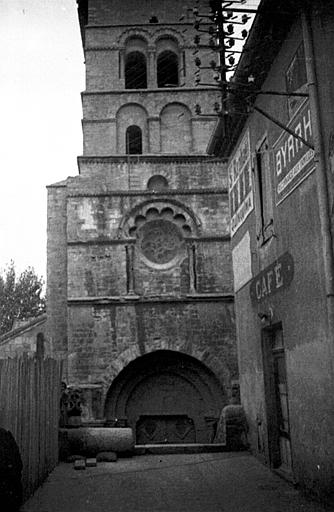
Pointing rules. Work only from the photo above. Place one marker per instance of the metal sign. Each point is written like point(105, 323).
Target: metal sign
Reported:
point(294, 161)
point(240, 184)
point(273, 278)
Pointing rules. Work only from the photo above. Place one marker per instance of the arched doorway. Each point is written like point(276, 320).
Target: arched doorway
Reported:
point(166, 397)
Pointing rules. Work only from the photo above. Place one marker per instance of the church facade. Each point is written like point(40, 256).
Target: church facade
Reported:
point(140, 294)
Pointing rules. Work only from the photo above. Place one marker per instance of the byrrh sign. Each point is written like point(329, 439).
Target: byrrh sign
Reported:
point(294, 161)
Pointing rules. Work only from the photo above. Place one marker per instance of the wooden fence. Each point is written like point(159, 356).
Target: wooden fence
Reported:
point(29, 408)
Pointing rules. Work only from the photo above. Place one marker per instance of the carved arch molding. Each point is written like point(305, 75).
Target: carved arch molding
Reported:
point(160, 231)
point(150, 37)
point(166, 397)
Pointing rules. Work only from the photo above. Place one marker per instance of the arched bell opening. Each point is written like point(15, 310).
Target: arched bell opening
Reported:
point(167, 69)
point(133, 140)
point(135, 70)
point(166, 397)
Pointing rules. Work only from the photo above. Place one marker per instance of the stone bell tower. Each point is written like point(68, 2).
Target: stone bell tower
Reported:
point(140, 300)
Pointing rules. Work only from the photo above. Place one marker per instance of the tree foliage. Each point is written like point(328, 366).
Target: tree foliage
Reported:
point(20, 296)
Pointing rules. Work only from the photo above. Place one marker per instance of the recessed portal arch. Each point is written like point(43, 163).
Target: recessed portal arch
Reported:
point(167, 397)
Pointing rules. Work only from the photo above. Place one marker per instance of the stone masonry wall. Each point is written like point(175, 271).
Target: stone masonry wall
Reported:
point(135, 267)
point(57, 269)
point(105, 338)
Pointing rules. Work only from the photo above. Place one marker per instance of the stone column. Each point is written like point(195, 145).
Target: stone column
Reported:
point(151, 69)
point(154, 145)
point(191, 248)
point(130, 258)
point(121, 63)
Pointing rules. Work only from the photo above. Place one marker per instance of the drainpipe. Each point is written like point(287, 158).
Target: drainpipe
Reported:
point(321, 176)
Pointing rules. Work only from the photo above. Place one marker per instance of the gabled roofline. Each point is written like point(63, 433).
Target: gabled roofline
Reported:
point(34, 322)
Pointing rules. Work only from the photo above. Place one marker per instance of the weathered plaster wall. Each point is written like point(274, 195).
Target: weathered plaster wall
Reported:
point(300, 308)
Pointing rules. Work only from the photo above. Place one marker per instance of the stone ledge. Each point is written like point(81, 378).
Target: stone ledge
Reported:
point(129, 241)
point(151, 90)
point(150, 157)
point(160, 194)
point(160, 449)
point(126, 299)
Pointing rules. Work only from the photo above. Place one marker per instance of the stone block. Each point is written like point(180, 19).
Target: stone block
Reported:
point(235, 427)
point(106, 457)
point(79, 464)
point(73, 458)
point(90, 441)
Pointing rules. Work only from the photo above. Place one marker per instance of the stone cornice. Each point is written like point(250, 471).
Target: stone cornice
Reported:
point(151, 90)
point(147, 25)
point(113, 119)
point(150, 158)
point(119, 48)
point(128, 241)
point(125, 300)
point(150, 193)
point(99, 121)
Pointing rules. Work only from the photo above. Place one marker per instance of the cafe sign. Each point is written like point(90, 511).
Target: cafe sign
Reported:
point(240, 184)
point(294, 161)
point(274, 278)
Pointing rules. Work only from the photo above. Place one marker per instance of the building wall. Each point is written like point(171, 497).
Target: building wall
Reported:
point(105, 338)
point(104, 12)
point(22, 339)
point(56, 292)
point(136, 267)
point(299, 307)
point(165, 115)
point(93, 247)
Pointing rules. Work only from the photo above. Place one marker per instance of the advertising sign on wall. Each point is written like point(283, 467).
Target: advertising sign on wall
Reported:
point(242, 262)
point(240, 184)
point(294, 161)
point(274, 278)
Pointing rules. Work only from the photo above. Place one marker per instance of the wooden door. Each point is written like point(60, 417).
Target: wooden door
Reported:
point(282, 407)
point(277, 401)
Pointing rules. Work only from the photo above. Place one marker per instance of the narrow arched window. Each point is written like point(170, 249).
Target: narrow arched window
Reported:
point(168, 69)
point(157, 182)
point(135, 71)
point(40, 345)
point(133, 142)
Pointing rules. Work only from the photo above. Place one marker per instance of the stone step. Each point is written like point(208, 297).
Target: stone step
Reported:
point(160, 449)
point(79, 464)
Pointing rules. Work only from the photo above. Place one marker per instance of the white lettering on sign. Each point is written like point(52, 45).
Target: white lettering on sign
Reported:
point(308, 157)
point(293, 159)
point(270, 281)
point(292, 146)
point(240, 184)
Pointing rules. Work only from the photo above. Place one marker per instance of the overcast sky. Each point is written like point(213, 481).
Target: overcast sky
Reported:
point(41, 77)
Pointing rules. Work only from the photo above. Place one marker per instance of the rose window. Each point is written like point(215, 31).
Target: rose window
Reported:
point(160, 241)
point(160, 236)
